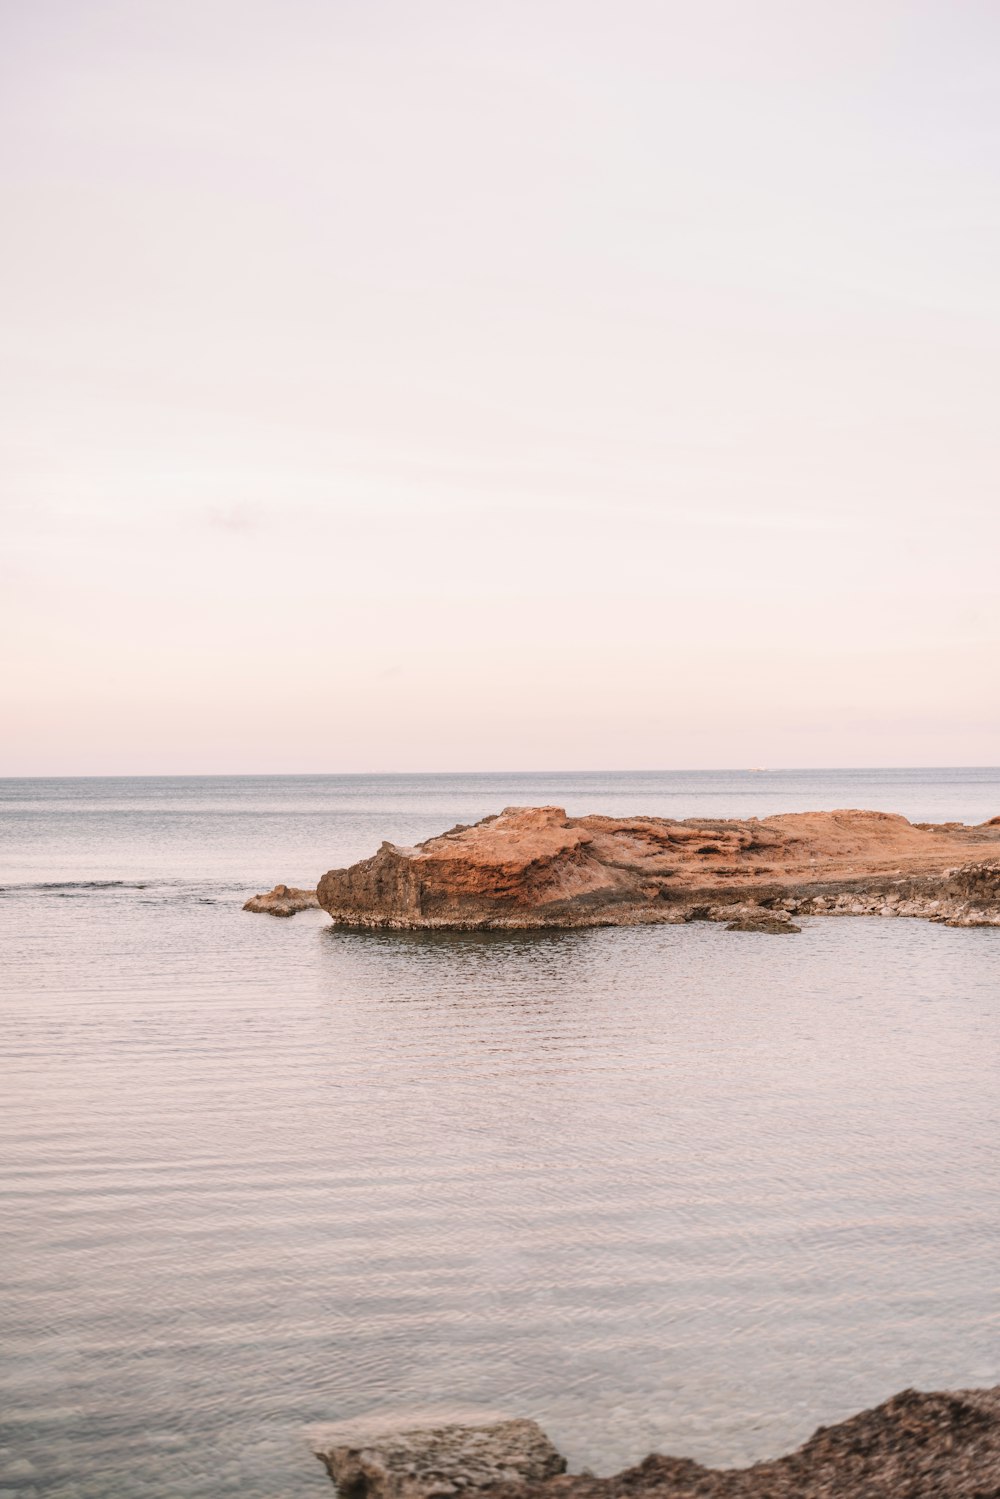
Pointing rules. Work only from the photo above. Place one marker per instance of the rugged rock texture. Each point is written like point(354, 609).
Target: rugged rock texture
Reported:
point(283, 900)
point(915, 1446)
point(536, 867)
point(366, 1462)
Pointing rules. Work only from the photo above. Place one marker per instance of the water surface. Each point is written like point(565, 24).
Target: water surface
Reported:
point(663, 1187)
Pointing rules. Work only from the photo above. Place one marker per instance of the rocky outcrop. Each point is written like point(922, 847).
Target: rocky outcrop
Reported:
point(914, 1446)
point(536, 867)
point(283, 900)
point(431, 1461)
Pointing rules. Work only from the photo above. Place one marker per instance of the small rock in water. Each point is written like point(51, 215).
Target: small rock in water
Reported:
point(433, 1462)
point(283, 900)
point(762, 923)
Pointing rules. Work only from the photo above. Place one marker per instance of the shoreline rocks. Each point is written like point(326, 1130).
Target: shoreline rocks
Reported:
point(535, 867)
point(938, 1445)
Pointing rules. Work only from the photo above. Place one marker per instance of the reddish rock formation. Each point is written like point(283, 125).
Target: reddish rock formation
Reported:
point(536, 867)
point(283, 900)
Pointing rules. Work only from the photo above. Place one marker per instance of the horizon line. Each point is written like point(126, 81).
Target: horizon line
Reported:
point(222, 775)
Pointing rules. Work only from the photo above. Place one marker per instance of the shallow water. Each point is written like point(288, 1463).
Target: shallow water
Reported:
point(666, 1187)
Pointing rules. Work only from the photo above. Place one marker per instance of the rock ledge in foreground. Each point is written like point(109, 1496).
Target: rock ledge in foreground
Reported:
point(434, 1462)
point(940, 1445)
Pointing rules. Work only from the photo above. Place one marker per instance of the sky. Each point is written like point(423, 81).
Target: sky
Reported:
point(569, 384)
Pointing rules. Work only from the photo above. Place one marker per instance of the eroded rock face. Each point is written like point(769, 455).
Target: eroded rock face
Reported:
point(283, 900)
point(435, 1462)
point(536, 867)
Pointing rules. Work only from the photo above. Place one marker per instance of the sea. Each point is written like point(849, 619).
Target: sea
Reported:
point(669, 1188)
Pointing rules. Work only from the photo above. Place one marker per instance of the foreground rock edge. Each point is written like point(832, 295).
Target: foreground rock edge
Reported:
point(435, 1460)
point(917, 1445)
point(535, 867)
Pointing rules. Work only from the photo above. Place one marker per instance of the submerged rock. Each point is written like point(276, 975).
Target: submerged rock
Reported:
point(536, 867)
point(762, 923)
point(367, 1461)
point(283, 900)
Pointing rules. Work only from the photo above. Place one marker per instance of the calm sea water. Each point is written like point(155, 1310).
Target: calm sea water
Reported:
point(671, 1188)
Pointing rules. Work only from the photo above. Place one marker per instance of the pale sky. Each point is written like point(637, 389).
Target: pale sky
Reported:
point(429, 386)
